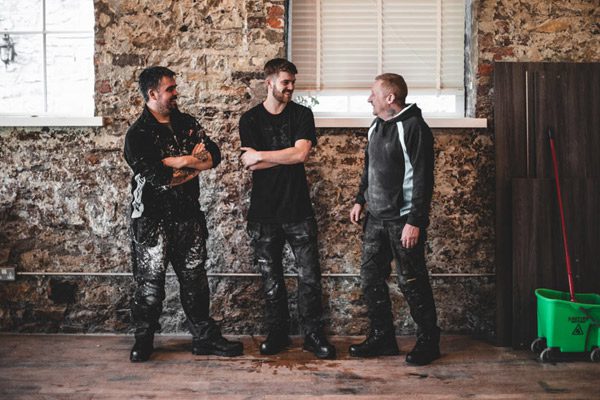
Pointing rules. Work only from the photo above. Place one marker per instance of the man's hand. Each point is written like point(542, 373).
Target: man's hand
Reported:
point(250, 156)
point(181, 176)
point(200, 152)
point(410, 236)
point(355, 213)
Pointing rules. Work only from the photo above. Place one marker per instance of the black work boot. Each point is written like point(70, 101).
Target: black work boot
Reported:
point(274, 343)
point(426, 349)
point(142, 349)
point(318, 344)
point(217, 345)
point(377, 343)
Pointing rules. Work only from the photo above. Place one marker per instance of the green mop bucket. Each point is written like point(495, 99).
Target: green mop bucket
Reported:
point(567, 325)
point(567, 322)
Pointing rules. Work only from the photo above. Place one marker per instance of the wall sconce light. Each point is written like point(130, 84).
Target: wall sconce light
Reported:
point(7, 50)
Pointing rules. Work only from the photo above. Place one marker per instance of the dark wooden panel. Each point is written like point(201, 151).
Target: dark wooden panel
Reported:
point(538, 251)
point(509, 100)
point(529, 99)
point(566, 100)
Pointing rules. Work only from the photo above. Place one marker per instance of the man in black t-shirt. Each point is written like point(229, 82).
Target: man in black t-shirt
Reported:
point(166, 150)
point(277, 136)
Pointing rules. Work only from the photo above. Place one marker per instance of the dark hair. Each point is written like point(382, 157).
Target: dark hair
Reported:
point(396, 85)
point(277, 65)
point(150, 78)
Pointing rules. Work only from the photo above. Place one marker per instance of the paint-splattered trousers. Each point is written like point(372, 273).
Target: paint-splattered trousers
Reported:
point(156, 243)
point(268, 240)
point(381, 244)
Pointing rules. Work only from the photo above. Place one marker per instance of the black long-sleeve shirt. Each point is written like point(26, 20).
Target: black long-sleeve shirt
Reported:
point(147, 142)
point(397, 179)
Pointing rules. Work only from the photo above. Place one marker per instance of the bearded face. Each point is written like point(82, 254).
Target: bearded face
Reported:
point(165, 96)
point(282, 86)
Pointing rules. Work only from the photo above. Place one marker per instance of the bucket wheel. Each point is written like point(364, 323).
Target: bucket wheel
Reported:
point(538, 345)
point(595, 355)
point(547, 355)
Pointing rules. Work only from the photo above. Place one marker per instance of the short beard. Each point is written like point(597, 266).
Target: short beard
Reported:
point(168, 109)
point(279, 96)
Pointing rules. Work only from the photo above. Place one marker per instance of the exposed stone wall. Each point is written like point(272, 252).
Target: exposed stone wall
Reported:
point(64, 192)
point(533, 31)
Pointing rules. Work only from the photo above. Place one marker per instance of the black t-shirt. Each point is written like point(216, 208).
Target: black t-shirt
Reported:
point(280, 193)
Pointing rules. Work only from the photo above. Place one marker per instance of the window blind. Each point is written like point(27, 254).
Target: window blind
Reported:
point(344, 44)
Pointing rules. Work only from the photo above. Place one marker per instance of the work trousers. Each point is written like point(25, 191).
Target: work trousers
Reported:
point(154, 244)
point(268, 240)
point(381, 244)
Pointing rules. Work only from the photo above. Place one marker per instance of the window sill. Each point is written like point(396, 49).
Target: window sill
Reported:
point(50, 121)
point(365, 122)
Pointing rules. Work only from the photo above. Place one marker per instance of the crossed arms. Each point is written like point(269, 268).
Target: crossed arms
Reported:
point(189, 166)
point(255, 160)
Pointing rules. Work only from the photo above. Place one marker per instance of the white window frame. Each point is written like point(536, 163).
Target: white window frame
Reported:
point(18, 120)
point(349, 119)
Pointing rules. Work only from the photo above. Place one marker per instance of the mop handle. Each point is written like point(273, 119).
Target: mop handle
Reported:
point(562, 215)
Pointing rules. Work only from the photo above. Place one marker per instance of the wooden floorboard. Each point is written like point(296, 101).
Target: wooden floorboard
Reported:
point(97, 367)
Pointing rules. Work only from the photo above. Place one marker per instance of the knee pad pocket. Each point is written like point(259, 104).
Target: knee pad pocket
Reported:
point(274, 291)
point(150, 294)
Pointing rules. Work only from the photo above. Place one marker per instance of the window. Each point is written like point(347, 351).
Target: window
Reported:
point(51, 72)
point(339, 46)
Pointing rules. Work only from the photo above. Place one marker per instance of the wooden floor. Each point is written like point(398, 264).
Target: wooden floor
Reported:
point(97, 367)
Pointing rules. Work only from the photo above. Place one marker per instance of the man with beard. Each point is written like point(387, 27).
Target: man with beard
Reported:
point(397, 186)
point(277, 136)
point(166, 150)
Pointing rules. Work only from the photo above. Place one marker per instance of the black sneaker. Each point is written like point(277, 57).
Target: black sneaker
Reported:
point(217, 345)
point(426, 350)
point(142, 349)
point(275, 343)
point(377, 343)
point(318, 344)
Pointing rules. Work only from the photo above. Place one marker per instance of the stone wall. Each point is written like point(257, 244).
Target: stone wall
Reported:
point(533, 31)
point(64, 191)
